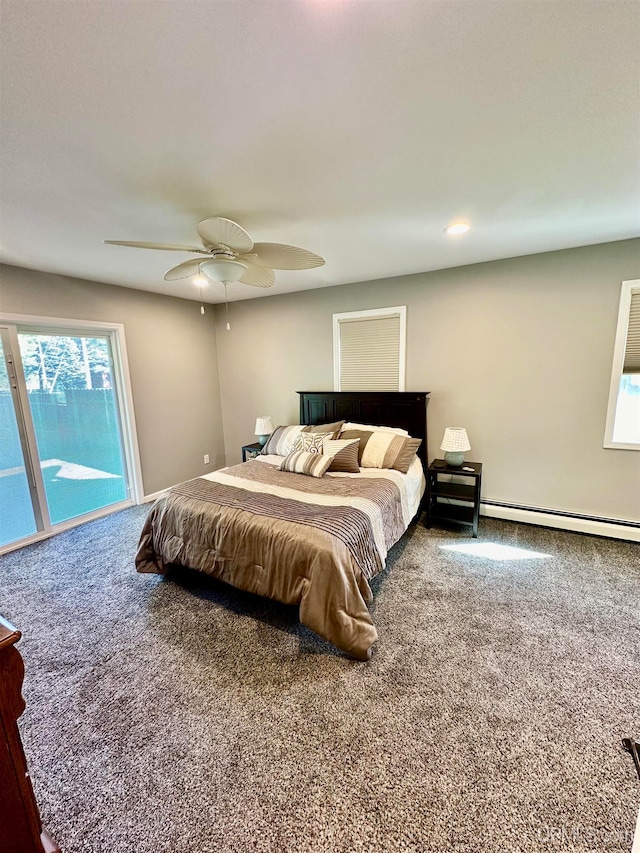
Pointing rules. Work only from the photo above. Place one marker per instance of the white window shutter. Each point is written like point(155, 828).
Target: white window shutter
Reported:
point(370, 349)
point(632, 347)
point(622, 427)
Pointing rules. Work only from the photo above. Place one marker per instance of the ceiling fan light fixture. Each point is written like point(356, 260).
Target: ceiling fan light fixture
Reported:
point(457, 228)
point(231, 256)
point(223, 269)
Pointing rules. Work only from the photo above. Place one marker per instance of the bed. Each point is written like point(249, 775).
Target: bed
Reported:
point(315, 542)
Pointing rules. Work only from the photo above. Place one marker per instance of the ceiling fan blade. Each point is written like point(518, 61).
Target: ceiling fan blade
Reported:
point(216, 231)
point(257, 276)
point(281, 257)
point(168, 246)
point(184, 270)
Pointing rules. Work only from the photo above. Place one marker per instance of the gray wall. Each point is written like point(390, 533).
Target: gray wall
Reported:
point(517, 351)
point(172, 363)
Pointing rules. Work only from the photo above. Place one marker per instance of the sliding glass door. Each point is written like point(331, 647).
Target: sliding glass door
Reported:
point(64, 453)
point(17, 514)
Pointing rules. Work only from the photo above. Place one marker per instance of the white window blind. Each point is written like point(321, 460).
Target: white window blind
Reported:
point(632, 348)
point(622, 429)
point(369, 350)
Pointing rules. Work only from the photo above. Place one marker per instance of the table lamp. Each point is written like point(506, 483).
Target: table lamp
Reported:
point(454, 444)
point(264, 428)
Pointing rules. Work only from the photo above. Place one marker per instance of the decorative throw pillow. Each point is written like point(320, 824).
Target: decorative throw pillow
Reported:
point(281, 440)
point(370, 428)
point(363, 437)
point(301, 462)
point(334, 428)
point(384, 449)
point(344, 455)
point(310, 441)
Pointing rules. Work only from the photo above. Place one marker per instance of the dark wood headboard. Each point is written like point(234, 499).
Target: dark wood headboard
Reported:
point(406, 409)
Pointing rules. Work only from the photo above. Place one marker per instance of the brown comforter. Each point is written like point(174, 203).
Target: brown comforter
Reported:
point(297, 539)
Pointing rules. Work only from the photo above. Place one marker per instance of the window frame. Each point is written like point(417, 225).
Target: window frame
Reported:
point(622, 329)
point(371, 313)
point(124, 393)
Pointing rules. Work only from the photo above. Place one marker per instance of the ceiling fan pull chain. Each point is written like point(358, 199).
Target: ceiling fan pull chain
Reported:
point(201, 302)
point(226, 306)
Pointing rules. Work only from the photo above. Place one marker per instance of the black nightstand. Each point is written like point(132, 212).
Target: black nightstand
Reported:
point(440, 493)
point(250, 451)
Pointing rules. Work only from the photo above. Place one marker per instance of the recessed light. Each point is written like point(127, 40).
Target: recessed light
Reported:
point(457, 228)
point(200, 280)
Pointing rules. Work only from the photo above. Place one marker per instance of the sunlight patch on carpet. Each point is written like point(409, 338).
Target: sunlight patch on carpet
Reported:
point(493, 551)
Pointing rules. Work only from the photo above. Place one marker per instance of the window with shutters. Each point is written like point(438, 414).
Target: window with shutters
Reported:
point(623, 416)
point(369, 349)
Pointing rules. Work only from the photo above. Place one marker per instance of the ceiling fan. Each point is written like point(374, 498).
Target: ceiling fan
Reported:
point(231, 255)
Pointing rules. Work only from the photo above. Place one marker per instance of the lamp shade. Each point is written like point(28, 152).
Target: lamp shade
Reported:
point(264, 425)
point(223, 269)
point(455, 439)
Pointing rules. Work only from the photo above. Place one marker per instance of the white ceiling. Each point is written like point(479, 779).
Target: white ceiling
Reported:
point(356, 129)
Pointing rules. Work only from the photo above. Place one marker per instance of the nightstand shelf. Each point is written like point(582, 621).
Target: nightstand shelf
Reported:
point(440, 493)
point(250, 451)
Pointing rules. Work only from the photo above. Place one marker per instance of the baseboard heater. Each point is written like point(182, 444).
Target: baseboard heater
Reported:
point(616, 528)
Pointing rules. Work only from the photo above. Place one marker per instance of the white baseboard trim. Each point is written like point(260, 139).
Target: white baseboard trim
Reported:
point(147, 499)
point(41, 535)
point(613, 529)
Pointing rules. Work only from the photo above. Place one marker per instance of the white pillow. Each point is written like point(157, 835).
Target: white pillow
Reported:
point(395, 430)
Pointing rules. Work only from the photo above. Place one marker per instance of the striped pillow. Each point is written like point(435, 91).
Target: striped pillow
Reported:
point(344, 455)
point(310, 441)
point(301, 462)
point(282, 439)
point(334, 428)
point(384, 449)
